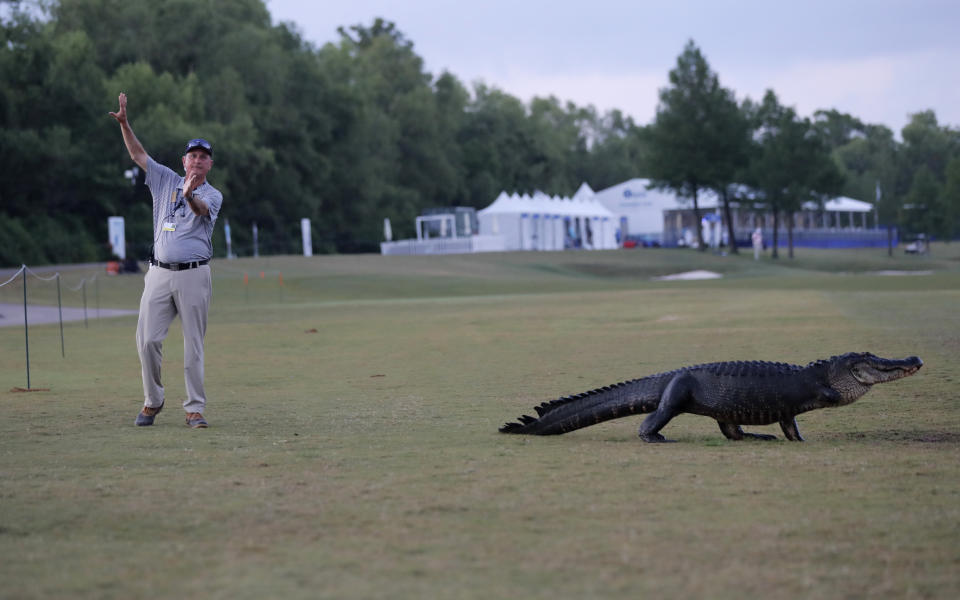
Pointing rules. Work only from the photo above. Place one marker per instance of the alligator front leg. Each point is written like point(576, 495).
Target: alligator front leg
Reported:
point(735, 432)
point(789, 427)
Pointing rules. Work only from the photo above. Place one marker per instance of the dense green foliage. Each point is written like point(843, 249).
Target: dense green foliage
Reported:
point(791, 164)
point(700, 138)
point(345, 135)
point(354, 131)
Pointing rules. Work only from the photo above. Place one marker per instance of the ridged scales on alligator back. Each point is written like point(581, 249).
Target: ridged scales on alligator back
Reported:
point(734, 393)
point(634, 397)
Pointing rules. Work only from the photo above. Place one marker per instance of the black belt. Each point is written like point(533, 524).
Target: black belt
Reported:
point(180, 266)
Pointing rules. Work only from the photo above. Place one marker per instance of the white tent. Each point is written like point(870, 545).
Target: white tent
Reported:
point(843, 212)
point(843, 204)
point(541, 222)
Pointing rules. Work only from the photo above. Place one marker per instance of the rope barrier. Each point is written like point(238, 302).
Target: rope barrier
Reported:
point(24, 270)
point(15, 275)
point(37, 276)
point(82, 283)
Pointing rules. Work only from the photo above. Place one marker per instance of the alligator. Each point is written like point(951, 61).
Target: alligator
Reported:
point(734, 393)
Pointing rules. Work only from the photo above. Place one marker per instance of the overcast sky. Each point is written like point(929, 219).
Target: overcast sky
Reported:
point(877, 60)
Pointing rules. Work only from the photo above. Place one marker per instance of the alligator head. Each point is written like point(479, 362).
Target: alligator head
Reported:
point(853, 373)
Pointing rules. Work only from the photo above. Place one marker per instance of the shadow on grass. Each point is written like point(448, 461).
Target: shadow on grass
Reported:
point(927, 436)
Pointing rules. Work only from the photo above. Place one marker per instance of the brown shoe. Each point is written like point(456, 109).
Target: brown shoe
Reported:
point(147, 415)
point(196, 421)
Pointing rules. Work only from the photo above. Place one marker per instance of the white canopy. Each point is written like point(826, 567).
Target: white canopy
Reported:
point(844, 204)
point(542, 222)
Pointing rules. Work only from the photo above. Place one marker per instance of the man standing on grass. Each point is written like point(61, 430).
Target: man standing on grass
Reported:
point(757, 239)
point(178, 280)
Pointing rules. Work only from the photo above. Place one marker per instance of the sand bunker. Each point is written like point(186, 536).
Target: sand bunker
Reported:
point(903, 273)
point(689, 275)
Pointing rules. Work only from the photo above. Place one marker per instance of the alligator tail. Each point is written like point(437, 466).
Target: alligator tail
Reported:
point(569, 413)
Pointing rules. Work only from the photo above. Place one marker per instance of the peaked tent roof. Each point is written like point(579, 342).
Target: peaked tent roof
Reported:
point(541, 204)
point(584, 191)
point(842, 203)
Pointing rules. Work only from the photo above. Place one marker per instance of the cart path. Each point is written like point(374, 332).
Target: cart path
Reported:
point(12, 314)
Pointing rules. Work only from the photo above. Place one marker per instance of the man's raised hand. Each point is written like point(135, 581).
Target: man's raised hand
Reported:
point(121, 114)
point(137, 153)
point(191, 183)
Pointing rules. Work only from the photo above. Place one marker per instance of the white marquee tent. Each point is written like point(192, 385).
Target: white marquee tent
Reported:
point(542, 222)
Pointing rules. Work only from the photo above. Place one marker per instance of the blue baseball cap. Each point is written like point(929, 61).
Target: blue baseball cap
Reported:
point(199, 143)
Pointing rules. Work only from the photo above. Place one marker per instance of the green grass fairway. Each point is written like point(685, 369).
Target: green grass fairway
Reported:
point(354, 453)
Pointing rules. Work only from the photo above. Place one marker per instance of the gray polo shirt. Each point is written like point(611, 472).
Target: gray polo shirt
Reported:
point(179, 235)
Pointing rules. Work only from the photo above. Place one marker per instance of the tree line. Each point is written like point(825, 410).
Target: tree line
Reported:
point(357, 130)
point(764, 156)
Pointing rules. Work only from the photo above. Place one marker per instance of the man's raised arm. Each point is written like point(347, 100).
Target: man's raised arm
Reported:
point(137, 153)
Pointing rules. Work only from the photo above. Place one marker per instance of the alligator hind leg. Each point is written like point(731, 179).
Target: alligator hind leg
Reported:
point(650, 428)
point(734, 432)
point(672, 402)
point(789, 427)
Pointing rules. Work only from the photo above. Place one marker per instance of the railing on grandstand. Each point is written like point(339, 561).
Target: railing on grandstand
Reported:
point(460, 245)
point(809, 238)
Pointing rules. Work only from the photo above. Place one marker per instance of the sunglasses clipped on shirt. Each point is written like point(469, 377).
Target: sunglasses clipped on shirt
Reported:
point(180, 204)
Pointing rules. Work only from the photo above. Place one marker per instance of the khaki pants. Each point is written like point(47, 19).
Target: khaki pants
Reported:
point(167, 294)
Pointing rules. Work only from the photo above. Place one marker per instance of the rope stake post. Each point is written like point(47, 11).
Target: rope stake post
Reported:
point(22, 271)
point(26, 327)
point(63, 348)
point(26, 330)
point(83, 284)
